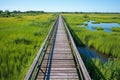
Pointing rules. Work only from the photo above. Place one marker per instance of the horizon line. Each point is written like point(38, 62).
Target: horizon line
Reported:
point(66, 11)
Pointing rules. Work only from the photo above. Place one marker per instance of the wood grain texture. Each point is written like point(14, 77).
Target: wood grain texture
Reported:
point(62, 66)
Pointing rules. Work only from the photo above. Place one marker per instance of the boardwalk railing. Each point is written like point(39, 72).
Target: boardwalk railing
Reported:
point(34, 69)
point(36, 65)
point(80, 65)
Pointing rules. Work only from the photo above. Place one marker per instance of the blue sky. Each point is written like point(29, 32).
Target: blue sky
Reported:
point(62, 5)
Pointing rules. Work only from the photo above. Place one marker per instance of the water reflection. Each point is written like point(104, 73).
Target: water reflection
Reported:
point(106, 26)
point(90, 53)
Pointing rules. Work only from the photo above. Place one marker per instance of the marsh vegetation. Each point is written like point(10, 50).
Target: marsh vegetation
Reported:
point(21, 37)
point(106, 43)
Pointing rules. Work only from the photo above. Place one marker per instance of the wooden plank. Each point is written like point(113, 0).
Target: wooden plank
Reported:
point(61, 57)
point(62, 66)
point(63, 74)
point(63, 71)
point(60, 46)
point(63, 51)
point(62, 63)
point(64, 77)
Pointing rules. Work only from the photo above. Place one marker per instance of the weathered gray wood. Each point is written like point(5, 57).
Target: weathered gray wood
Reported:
point(61, 41)
point(62, 63)
point(64, 77)
point(35, 62)
point(58, 62)
point(78, 57)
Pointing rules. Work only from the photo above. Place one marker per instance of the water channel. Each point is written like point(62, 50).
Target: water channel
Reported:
point(106, 26)
point(92, 53)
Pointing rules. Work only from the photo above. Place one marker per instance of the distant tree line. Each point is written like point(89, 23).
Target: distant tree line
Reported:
point(34, 12)
point(90, 12)
point(5, 13)
point(8, 13)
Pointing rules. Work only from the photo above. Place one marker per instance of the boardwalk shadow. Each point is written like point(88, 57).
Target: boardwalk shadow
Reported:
point(91, 67)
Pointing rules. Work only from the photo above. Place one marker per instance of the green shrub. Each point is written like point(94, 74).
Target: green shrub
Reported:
point(85, 16)
point(116, 29)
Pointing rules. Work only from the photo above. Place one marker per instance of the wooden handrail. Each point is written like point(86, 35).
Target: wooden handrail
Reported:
point(33, 72)
point(79, 59)
point(34, 64)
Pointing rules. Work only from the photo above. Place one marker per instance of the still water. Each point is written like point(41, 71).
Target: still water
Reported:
point(91, 53)
point(106, 26)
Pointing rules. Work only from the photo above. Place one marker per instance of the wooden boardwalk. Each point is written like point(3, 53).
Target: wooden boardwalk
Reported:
point(62, 63)
point(58, 58)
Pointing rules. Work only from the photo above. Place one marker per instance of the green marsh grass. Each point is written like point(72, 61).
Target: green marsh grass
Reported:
point(106, 43)
point(21, 37)
point(116, 29)
point(97, 28)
